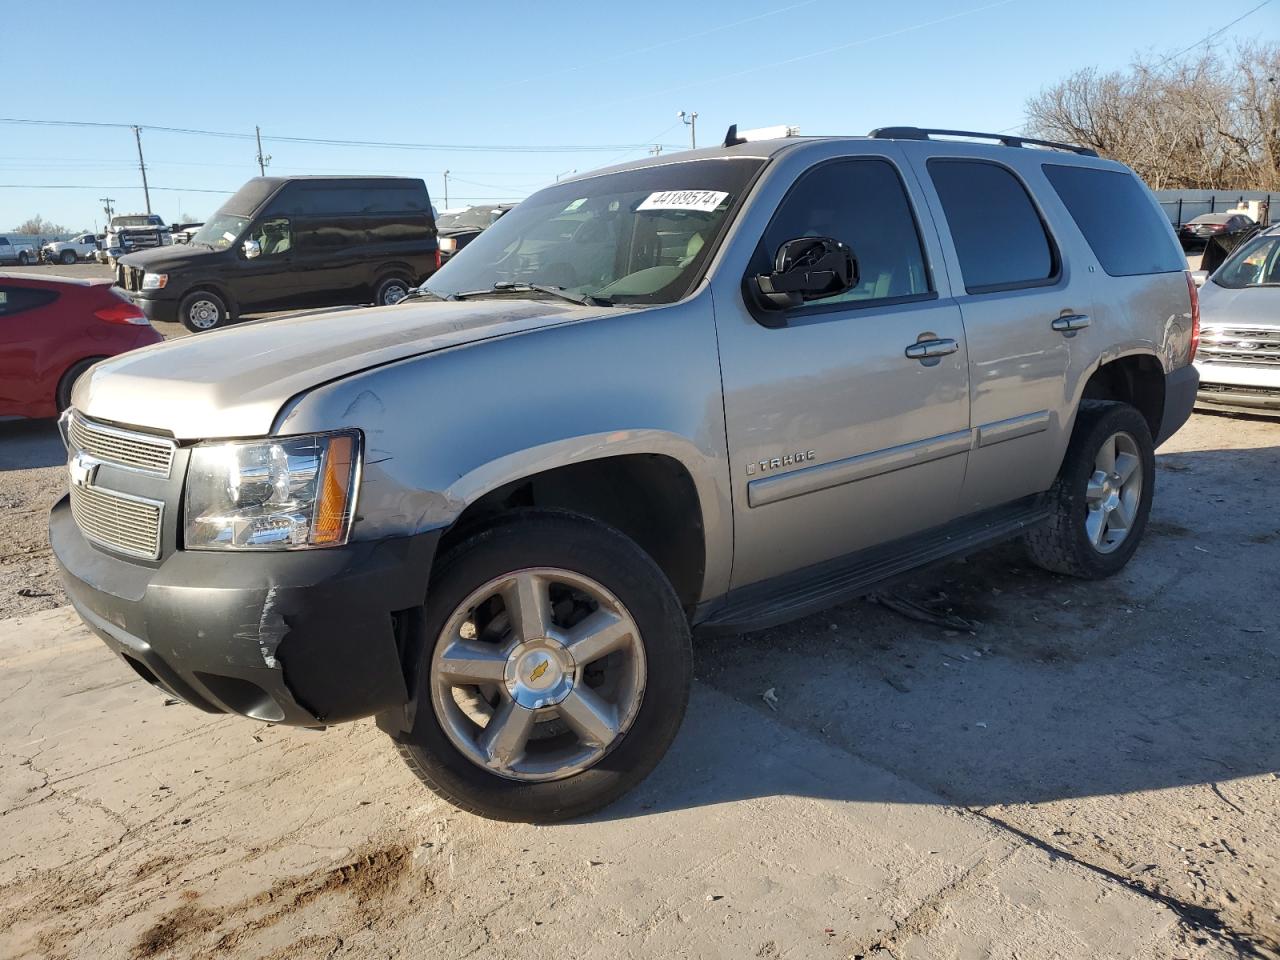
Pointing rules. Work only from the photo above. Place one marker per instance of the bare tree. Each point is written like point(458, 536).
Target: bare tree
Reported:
point(39, 226)
point(1211, 123)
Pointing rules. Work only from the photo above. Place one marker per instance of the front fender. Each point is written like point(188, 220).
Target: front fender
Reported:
point(444, 429)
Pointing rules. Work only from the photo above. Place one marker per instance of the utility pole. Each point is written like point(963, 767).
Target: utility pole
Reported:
point(690, 120)
point(107, 202)
point(263, 162)
point(146, 191)
point(446, 189)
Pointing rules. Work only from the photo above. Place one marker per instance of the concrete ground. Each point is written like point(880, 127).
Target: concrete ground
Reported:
point(1086, 770)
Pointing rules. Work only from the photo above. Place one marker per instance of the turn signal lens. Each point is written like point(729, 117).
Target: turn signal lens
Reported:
point(330, 519)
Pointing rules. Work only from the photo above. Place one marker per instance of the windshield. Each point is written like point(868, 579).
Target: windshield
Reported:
point(1255, 264)
point(638, 236)
point(139, 221)
point(476, 218)
point(220, 232)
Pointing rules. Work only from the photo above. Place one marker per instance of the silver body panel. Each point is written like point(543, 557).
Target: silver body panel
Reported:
point(458, 399)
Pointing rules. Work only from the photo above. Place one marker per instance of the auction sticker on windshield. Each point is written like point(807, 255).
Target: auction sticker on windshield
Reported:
point(703, 200)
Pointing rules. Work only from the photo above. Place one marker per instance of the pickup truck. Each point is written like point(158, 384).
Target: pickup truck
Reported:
point(13, 251)
point(82, 247)
point(131, 232)
point(711, 391)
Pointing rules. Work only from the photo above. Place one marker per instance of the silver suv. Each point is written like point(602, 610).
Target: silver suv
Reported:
point(707, 391)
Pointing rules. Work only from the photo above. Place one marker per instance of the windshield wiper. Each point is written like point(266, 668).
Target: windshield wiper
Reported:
point(421, 293)
point(513, 286)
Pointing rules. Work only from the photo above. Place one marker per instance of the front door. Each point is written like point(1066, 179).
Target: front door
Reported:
point(847, 418)
point(269, 280)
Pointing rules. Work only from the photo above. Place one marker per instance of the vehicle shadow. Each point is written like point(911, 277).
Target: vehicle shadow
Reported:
point(1164, 676)
point(30, 445)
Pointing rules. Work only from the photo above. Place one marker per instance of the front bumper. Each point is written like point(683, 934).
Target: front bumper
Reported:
point(1233, 398)
point(156, 311)
point(308, 637)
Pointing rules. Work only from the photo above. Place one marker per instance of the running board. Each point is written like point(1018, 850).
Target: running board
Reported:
point(806, 591)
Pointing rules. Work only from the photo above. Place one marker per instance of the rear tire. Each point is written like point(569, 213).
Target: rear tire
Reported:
point(1099, 516)
point(68, 382)
point(24, 258)
point(202, 310)
point(441, 747)
point(391, 290)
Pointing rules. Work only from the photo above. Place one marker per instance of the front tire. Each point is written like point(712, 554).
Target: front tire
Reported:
point(1102, 497)
point(555, 670)
point(68, 257)
point(24, 259)
point(202, 310)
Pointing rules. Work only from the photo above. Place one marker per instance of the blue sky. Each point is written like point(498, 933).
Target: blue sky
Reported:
point(611, 75)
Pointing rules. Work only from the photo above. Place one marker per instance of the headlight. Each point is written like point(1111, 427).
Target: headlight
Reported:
point(281, 494)
point(154, 281)
point(448, 244)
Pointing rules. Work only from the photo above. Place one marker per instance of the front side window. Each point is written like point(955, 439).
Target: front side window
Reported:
point(861, 203)
point(1255, 264)
point(637, 236)
point(1126, 232)
point(274, 236)
point(998, 235)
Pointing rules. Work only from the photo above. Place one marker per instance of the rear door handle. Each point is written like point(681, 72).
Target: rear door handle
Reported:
point(926, 349)
point(1073, 321)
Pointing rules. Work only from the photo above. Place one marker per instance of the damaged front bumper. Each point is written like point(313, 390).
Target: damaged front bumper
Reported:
point(308, 637)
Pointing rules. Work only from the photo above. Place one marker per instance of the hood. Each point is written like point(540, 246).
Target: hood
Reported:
point(233, 382)
point(169, 257)
point(1248, 306)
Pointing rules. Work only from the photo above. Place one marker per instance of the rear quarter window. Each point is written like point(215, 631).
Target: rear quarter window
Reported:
point(1120, 223)
point(15, 300)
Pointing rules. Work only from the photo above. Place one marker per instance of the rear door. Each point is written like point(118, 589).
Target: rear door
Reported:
point(839, 438)
point(1026, 314)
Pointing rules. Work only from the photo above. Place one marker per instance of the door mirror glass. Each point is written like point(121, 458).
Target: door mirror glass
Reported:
point(252, 249)
point(810, 268)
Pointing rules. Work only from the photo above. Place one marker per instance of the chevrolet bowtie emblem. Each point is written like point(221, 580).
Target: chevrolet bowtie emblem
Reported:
point(539, 670)
point(83, 469)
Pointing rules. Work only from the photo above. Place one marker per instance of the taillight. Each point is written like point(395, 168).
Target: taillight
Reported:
point(125, 312)
point(1194, 293)
point(438, 260)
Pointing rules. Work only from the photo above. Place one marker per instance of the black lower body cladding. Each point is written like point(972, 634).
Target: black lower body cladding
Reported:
point(1180, 388)
point(302, 637)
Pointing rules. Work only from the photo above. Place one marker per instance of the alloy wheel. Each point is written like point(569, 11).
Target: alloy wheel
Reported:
point(1114, 492)
point(538, 674)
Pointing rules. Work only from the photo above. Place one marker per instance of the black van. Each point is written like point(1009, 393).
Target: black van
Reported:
point(287, 242)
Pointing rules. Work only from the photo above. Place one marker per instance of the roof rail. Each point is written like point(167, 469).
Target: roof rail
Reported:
point(919, 133)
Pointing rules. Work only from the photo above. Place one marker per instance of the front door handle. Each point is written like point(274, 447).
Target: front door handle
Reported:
point(1069, 322)
point(927, 349)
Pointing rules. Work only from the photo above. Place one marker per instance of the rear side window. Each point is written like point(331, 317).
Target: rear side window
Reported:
point(17, 299)
point(861, 203)
point(998, 234)
point(1123, 228)
point(333, 200)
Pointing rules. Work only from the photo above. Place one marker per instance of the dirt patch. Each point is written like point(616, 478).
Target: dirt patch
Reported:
point(367, 879)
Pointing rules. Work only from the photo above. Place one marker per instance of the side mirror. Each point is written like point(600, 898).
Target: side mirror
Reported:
point(1199, 277)
point(252, 249)
point(811, 268)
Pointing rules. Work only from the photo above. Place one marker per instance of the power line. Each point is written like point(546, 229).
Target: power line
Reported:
point(1220, 30)
point(99, 186)
point(340, 142)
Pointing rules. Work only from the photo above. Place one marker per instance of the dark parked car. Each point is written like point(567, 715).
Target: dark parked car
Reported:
point(458, 229)
point(52, 331)
point(1195, 234)
point(287, 242)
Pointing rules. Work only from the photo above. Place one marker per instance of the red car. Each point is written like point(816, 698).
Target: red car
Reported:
point(52, 331)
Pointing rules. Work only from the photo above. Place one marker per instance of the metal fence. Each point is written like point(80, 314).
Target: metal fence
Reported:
point(1183, 208)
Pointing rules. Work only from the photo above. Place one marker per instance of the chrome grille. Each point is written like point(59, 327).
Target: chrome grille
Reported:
point(124, 448)
point(1241, 346)
point(128, 524)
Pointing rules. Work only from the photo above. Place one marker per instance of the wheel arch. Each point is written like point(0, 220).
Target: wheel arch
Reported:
point(652, 497)
point(1136, 378)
